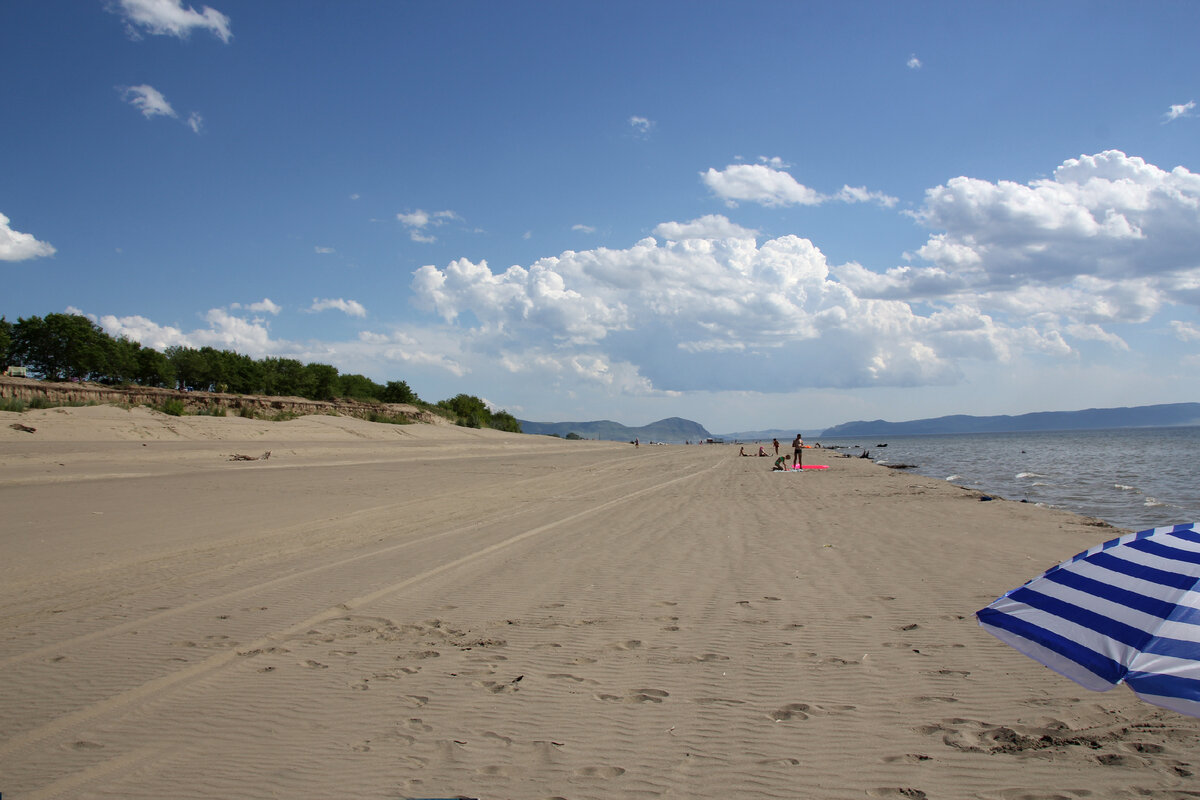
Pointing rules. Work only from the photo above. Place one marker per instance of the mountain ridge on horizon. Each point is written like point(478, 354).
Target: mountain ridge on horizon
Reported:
point(1152, 416)
point(678, 429)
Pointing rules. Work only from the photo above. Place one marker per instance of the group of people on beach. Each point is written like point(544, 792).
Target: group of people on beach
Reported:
point(781, 461)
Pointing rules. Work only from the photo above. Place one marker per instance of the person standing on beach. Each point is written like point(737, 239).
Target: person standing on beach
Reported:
point(797, 451)
point(776, 443)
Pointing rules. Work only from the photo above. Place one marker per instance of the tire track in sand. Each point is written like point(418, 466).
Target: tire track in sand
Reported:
point(219, 660)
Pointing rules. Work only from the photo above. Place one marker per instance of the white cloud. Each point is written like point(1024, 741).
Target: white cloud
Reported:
point(262, 306)
point(417, 221)
point(767, 184)
point(913, 62)
point(1108, 217)
point(712, 313)
point(148, 100)
point(225, 331)
point(323, 250)
point(17, 246)
point(351, 307)
point(758, 183)
point(195, 122)
point(169, 17)
point(1177, 111)
point(710, 226)
point(641, 126)
point(860, 194)
point(1185, 331)
point(583, 228)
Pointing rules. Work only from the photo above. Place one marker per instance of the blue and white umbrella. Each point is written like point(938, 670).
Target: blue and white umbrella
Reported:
point(1125, 611)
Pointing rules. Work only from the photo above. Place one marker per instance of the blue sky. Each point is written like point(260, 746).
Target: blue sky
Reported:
point(753, 215)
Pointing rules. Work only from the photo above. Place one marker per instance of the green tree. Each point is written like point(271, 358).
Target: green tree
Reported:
point(321, 380)
point(399, 392)
point(154, 368)
point(359, 387)
point(504, 421)
point(60, 346)
point(191, 371)
point(285, 377)
point(470, 410)
point(5, 342)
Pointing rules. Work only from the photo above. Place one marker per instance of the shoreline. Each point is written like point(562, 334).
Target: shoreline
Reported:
point(433, 611)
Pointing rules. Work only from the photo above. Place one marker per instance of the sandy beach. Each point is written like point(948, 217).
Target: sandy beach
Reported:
point(381, 611)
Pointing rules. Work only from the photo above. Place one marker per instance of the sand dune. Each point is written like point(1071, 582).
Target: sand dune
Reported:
point(429, 611)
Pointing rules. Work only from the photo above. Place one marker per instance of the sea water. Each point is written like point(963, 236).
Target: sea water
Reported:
point(1133, 478)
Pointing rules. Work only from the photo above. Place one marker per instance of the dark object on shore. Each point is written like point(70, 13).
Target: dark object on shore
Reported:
point(16, 426)
point(240, 457)
point(901, 466)
point(882, 445)
point(983, 498)
point(865, 454)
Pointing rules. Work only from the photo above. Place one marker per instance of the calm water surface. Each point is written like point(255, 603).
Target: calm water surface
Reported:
point(1133, 478)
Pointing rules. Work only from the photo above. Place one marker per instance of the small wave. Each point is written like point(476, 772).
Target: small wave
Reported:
point(1042, 483)
point(1124, 488)
point(954, 477)
point(1030, 475)
point(1151, 502)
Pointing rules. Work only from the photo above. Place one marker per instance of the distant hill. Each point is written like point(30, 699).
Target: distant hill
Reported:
point(672, 429)
point(1171, 414)
point(782, 434)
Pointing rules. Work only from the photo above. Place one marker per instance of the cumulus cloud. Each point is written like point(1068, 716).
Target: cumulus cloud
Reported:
point(262, 306)
point(710, 226)
point(351, 307)
point(170, 18)
point(913, 62)
point(1185, 331)
point(758, 183)
point(18, 246)
point(767, 184)
point(225, 331)
point(418, 221)
point(1177, 111)
point(1103, 223)
point(710, 311)
point(148, 100)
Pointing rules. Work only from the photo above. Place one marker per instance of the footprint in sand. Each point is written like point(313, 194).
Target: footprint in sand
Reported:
point(631, 644)
point(506, 741)
point(599, 772)
point(635, 696)
point(889, 791)
point(803, 711)
point(565, 676)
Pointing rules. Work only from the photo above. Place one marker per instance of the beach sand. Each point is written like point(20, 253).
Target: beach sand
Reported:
point(385, 611)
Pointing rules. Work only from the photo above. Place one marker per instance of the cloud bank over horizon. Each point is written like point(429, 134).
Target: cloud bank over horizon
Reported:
point(1010, 271)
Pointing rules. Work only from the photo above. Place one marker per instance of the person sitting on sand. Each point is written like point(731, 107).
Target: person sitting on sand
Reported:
point(742, 451)
point(761, 452)
point(780, 464)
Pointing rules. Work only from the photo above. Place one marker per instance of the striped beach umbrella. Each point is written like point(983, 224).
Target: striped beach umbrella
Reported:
point(1126, 611)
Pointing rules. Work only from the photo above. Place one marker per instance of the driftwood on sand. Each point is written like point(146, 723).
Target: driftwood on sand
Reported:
point(16, 426)
point(240, 457)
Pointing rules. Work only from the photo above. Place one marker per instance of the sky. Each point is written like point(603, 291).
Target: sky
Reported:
point(753, 215)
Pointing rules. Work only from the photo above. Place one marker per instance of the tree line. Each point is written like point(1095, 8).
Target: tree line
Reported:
point(72, 347)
